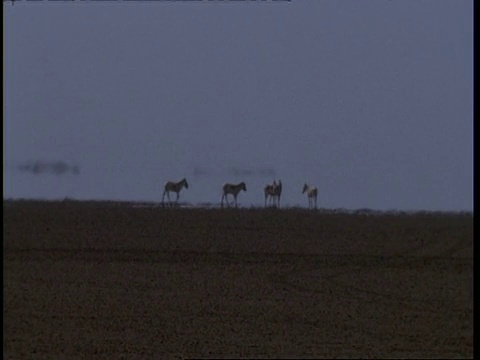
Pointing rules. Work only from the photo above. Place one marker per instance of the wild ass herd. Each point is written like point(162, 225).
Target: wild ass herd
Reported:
point(271, 191)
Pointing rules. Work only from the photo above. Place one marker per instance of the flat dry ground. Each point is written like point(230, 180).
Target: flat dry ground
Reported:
point(85, 278)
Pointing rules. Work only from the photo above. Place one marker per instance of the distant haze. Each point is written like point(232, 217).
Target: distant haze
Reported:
point(371, 101)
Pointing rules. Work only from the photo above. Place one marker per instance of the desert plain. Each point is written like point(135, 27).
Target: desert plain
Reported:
point(119, 280)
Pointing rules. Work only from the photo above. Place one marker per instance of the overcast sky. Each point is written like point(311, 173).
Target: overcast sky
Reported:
point(371, 101)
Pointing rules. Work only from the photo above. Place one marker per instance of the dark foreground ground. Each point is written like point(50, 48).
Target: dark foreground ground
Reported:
point(86, 279)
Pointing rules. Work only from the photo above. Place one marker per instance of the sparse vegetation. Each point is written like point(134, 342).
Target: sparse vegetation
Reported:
point(110, 279)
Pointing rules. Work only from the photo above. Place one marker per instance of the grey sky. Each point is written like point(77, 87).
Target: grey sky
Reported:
point(371, 101)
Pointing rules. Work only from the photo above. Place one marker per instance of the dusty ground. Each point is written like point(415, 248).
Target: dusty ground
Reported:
point(85, 278)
